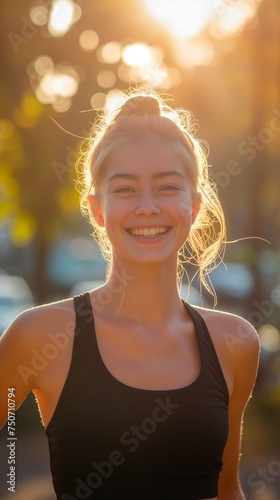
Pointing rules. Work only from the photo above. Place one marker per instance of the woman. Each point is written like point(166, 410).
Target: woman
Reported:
point(141, 394)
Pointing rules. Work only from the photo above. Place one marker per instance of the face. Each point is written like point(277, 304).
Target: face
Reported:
point(146, 202)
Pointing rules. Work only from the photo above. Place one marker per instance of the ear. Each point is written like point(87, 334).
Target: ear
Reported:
point(96, 210)
point(196, 206)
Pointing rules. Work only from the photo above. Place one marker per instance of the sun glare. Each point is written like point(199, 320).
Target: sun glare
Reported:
point(63, 14)
point(183, 18)
point(137, 54)
point(186, 19)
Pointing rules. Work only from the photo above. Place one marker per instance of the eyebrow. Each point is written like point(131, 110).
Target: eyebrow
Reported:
point(168, 173)
point(158, 175)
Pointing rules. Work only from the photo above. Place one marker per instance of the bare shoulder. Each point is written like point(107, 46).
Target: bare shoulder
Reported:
point(33, 325)
point(236, 343)
point(34, 330)
point(33, 347)
point(232, 330)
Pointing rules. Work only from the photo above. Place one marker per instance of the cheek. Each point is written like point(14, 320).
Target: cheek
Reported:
point(114, 211)
point(113, 217)
point(185, 211)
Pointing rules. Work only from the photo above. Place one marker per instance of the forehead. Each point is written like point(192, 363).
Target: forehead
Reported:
point(145, 155)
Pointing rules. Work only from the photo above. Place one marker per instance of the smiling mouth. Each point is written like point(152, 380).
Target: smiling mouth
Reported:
point(148, 232)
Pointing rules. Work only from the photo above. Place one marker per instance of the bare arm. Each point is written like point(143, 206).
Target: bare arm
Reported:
point(15, 348)
point(35, 355)
point(243, 357)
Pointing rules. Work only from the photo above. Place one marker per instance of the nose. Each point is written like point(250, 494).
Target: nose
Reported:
point(147, 204)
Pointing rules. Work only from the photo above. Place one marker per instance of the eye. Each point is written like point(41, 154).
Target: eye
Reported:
point(169, 187)
point(124, 190)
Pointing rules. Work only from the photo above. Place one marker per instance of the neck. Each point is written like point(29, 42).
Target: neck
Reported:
point(146, 293)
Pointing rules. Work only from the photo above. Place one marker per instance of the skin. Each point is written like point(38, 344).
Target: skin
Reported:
point(145, 336)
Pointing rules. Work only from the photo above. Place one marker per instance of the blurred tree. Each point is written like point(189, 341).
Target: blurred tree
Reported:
point(265, 139)
point(34, 197)
point(37, 158)
point(38, 163)
point(239, 110)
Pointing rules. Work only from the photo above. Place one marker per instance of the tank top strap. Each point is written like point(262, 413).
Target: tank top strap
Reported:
point(209, 358)
point(84, 326)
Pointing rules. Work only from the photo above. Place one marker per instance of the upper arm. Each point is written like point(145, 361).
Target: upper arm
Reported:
point(15, 357)
point(35, 353)
point(243, 359)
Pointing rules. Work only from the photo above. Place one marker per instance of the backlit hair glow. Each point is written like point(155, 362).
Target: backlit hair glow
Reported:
point(146, 114)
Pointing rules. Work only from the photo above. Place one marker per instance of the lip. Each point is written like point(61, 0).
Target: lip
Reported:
point(148, 232)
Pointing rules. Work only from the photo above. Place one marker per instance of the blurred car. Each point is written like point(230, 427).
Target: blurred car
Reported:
point(233, 279)
point(72, 260)
point(234, 284)
point(15, 297)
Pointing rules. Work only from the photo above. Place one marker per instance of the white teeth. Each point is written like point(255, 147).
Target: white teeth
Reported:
point(148, 231)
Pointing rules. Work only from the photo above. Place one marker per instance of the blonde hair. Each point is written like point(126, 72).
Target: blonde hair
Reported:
point(146, 113)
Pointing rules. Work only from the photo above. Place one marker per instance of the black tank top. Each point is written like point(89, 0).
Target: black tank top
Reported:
point(108, 440)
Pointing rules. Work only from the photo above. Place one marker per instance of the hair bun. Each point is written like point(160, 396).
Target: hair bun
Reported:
point(140, 105)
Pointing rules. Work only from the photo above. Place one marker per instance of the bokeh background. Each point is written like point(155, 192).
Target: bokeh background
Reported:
point(62, 62)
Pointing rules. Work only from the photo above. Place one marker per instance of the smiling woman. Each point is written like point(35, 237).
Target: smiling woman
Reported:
point(139, 392)
point(141, 117)
point(147, 180)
